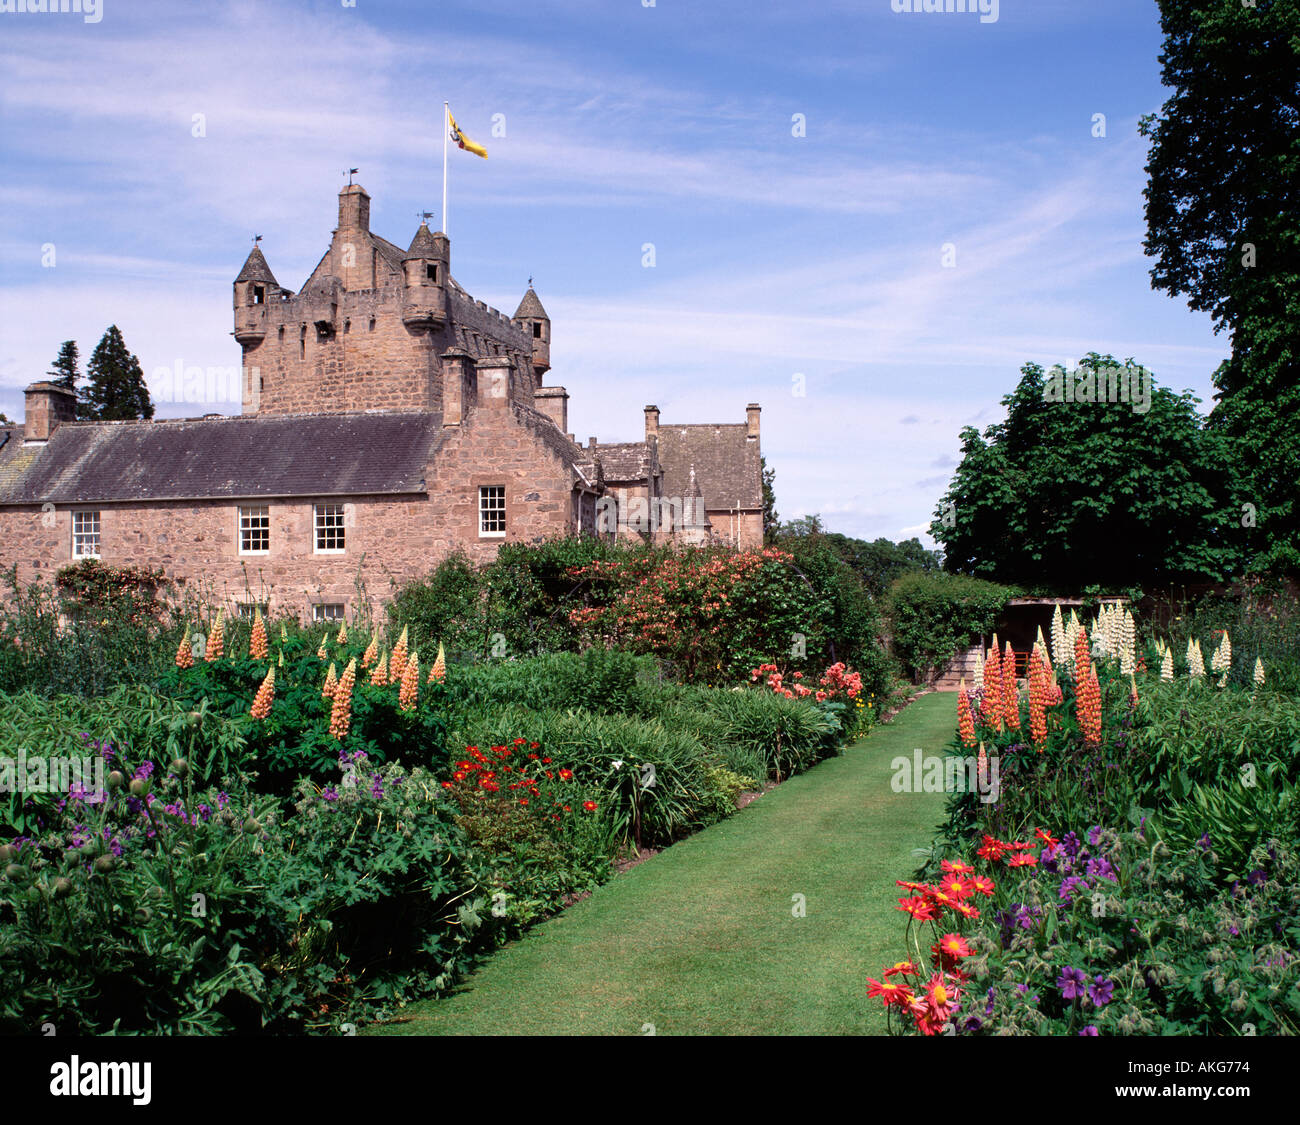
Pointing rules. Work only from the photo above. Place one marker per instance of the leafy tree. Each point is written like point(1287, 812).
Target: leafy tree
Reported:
point(879, 563)
point(1223, 223)
point(117, 389)
point(1077, 496)
point(4, 419)
point(770, 519)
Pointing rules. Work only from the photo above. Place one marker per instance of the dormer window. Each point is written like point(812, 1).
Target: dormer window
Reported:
point(431, 272)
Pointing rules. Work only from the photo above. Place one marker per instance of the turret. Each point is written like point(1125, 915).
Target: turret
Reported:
point(425, 269)
point(533, 319)
point(255, 288)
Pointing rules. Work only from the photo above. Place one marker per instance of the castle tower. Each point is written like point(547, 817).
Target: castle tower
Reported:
point(532, 317)
point(426, 269)
point(255, 290)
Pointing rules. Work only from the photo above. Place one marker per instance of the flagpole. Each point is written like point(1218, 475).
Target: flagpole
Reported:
point(446, 126)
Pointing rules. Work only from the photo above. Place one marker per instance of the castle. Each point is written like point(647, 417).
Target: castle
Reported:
point(388, 419)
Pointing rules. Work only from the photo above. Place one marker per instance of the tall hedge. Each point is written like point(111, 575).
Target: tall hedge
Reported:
point(934, 615)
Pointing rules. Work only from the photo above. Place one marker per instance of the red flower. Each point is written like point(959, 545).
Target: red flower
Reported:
point(918, 908)
point(590, 806)
point(983, 884)
point(1023, 859)
point(904, 967)
point(1047, 838)
point(566, 775)
point(898, 995)
point(957, 867)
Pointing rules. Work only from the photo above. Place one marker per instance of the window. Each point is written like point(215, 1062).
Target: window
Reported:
point(431, 271)
point(302, 342)
point(492, 510)
point(85, 535)
point(259, 295)
point(372, 324)
point(329, 529)
point(248, 610)
point(255, 531)
point(537, 330)
point(327, 611)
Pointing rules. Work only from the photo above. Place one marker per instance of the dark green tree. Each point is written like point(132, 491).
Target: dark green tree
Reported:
point(1223, 224)
point(880, 562)
point(1073, 496)
point(117, 390)
point(770, 518)
point(65, 370)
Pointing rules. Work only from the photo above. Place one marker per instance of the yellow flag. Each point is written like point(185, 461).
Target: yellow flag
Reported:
point(463, 141)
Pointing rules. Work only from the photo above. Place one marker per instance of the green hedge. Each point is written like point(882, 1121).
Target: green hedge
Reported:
point(932, 616)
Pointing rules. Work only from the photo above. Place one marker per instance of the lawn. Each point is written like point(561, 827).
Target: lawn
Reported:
point(703, 938)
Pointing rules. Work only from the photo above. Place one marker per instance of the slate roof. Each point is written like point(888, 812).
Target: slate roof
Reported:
point(221, 458)
point(726, 464)
point(531, 305)
point(624, 461)
point(423, 245)
point(256, 269)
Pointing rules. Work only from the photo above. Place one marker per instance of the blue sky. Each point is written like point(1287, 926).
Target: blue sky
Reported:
point(776, 255)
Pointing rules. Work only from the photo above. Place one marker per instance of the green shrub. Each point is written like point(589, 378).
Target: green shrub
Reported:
point(785, 735)
point(934, 615)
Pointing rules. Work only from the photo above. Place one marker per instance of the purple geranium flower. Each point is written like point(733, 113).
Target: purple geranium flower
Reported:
point(1090, 1030)
point(1070, 844)
point(1101, 990)
point(329, 793)
point(1070, 886)
point(1094, 834)
point(376, 786)
point(1101, 868)
point(1204, 842)
point(1072, 983)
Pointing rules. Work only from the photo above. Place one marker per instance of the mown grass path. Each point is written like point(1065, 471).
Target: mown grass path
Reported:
point(701, 939)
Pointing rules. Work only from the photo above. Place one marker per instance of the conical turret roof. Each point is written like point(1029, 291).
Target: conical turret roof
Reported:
point(530, 307)
point(423, 245)
point(256, 269)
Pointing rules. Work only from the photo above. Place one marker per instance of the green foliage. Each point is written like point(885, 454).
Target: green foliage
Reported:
point(65, 370)
point(771, 521)
point(786, 736)
point(116, 388)
point(1222, 206)
point(1155, 510)
point(86, 637)
point(447, 606)
point(879, 563)
point(934, 615)
point(599, 680)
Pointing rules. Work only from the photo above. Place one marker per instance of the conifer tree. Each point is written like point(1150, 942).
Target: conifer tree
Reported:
point(117, 389)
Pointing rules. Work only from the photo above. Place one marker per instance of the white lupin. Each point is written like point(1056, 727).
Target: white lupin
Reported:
point(1259, 672)
point(1195, 661)
point(1167, 665)
point(1128, 645)
point(1058, 637)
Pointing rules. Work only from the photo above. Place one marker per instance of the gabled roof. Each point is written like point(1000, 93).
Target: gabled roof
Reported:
point(531, 306)
point(256, 269)
point(222, 458)
point(726, 464)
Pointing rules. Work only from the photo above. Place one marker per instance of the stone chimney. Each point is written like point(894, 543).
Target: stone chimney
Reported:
point(457, 386)
point(48, 406)
point(354, 209)
point(494, 382)
point(752, 411)
point(651, 422)
point(554, 403)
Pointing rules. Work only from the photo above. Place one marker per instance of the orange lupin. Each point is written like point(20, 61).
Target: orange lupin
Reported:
point(322, 653)
point(379, 673)
point(371, 653)
point(1082, 656)
point(1010, 693)
point(216, 639)
point(341, 713)
point(965, 720)
point(257, 648)
point(1088, 704)
point(991, 708)
point(342, 638)
point(265, 694)
point(331, 683)
point(439, 670)
point(409, 695)
point(185, 652)
point(397, 663)
point(1038, 689)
